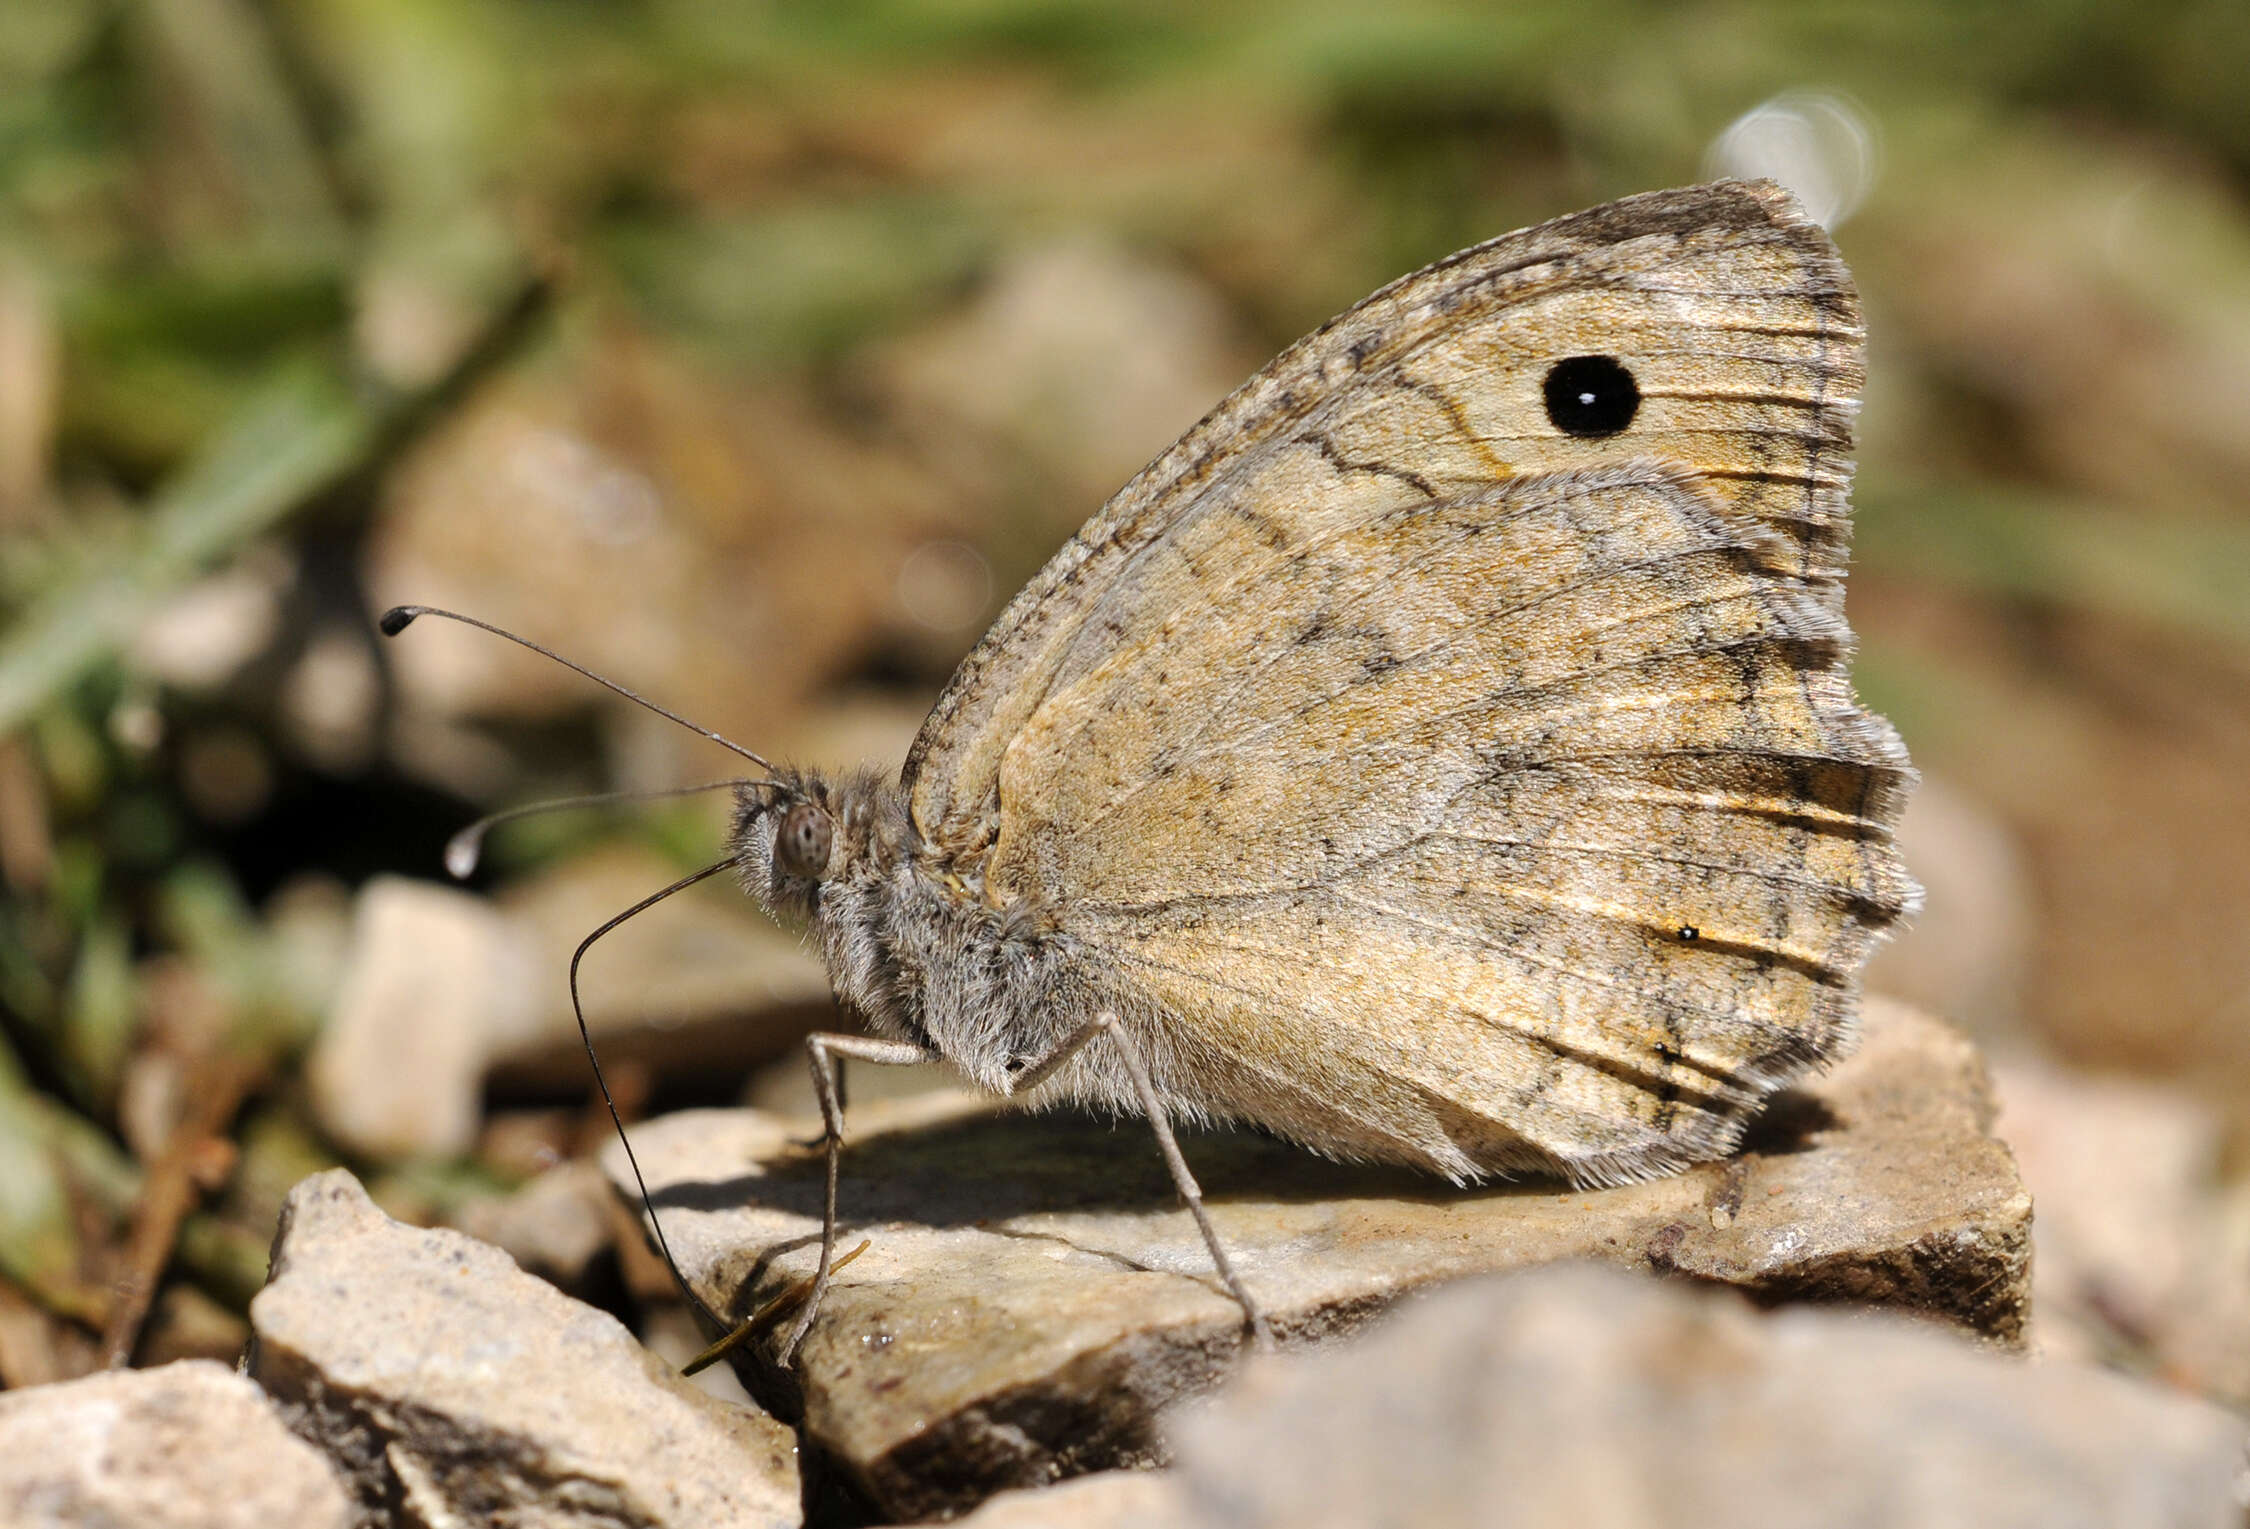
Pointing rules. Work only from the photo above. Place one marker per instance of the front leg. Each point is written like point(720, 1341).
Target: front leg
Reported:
point(822, 1049)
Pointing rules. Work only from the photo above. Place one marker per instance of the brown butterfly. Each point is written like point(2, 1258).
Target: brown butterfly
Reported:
point(1444, 753)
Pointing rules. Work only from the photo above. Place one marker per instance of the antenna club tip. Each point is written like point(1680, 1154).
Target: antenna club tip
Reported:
point(396, 619)
point(462, 852)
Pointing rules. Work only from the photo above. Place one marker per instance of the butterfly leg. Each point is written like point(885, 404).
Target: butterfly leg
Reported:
point(823, 1050)
point(1191, 1193)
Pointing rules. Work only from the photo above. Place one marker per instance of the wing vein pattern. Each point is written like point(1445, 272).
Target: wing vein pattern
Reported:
point(1507, 783)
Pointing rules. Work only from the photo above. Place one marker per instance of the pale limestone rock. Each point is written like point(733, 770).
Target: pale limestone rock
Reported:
point(452, 1387)
point(671, 1332)
point(2142, 1255)
point(1034, 1293)
point(1106, 1500)
point(704, 981)
point(206, 633)
point(1582, 1395)
point(182, 1446)
point(444, 992)
point(556, 1225)
point(398, 1068)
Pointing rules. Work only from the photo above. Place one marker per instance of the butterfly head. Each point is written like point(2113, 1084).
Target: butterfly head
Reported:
point(799, 834)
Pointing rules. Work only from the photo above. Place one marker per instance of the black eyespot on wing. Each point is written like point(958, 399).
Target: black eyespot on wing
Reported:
point(1591, 396)
point(1689, 934)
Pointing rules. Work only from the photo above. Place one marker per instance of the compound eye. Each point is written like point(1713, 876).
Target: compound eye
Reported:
point(801, 845)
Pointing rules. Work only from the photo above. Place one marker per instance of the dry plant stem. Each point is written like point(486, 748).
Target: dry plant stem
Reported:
point(220, 1082)
point(27, 844)
point(765, 1316)
point(31, 1341)
point(85, 1186)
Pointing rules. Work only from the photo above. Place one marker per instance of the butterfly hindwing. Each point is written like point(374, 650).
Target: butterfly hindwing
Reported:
point(1562, 869)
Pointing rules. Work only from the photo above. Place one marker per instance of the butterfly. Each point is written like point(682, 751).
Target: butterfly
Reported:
point(1444, 753)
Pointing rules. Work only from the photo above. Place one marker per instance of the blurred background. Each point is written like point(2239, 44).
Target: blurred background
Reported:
point(753, 354)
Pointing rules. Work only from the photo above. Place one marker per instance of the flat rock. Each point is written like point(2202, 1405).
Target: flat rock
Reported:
point(452, 1387)
point(398, 1068)
point(1105, 1500)
point(709, 984)
point(444, 993)
point(557, 1224)
point(182, 1446)
point(1584, 1395)
point(1034, 1293)
point(2140, 1249)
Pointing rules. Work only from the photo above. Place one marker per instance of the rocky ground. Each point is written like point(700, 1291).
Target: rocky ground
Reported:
point(1830, 1329)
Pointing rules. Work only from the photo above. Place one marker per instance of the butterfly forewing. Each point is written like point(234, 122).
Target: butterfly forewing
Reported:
point(1449, 785)
point(1729, 273)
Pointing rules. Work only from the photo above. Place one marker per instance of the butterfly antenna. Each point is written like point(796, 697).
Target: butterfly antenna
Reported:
point(465, 848)
point(578, 1010)
point(399, 617)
